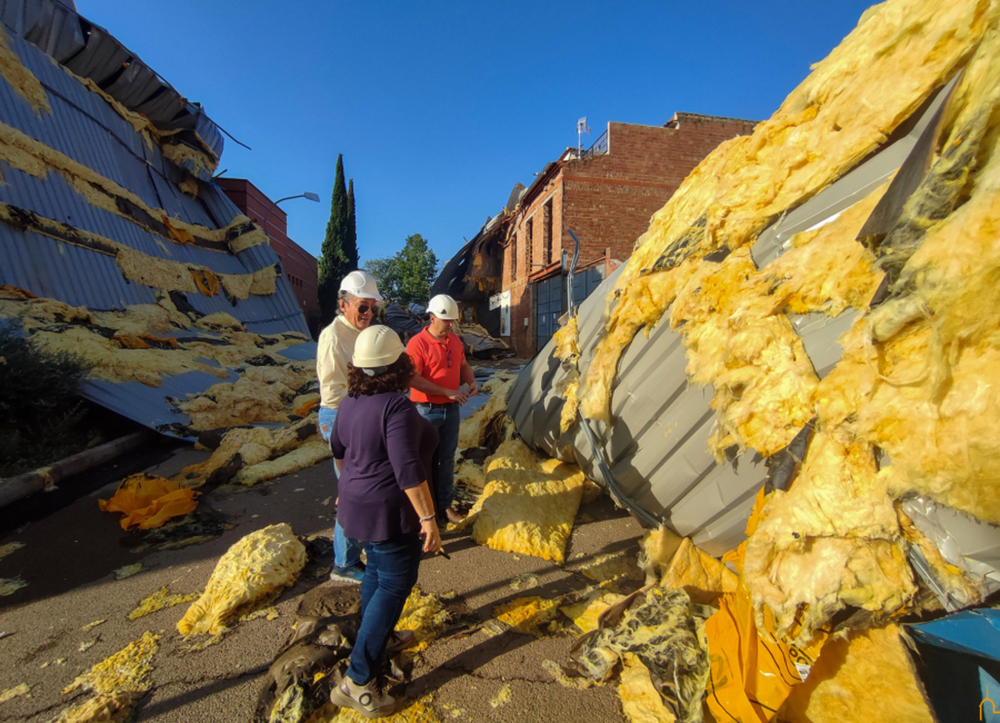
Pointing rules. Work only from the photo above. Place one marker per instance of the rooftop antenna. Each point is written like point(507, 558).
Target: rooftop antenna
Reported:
point(581, 128)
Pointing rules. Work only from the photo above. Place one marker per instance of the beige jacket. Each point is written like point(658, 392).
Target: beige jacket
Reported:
point(333, 352)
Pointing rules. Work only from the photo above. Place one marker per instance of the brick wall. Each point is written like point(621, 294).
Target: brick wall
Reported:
point(607, 200)
point(298, 266)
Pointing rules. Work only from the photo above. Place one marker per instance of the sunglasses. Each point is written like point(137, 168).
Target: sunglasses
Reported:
point(365, 308)
point(449, 357)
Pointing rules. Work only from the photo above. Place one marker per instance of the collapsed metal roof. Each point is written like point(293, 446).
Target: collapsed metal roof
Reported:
point(55, 241)
point(655, 454)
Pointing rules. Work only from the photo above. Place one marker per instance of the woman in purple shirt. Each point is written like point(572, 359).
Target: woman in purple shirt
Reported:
point(386, 449)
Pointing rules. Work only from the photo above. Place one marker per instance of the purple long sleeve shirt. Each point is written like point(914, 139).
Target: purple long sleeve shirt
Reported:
point(386, 448)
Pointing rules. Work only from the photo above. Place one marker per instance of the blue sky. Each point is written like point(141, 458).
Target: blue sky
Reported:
point(440, 108)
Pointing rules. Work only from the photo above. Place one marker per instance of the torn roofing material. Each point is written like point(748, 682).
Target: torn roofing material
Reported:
point(656, 446)
point(91, 52)
point(97, 212)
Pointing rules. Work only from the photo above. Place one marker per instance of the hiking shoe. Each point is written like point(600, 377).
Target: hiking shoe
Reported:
point(366, 699)
point(347, 574)
point(399, 641)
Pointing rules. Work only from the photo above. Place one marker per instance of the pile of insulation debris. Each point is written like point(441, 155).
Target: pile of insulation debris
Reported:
point(196, 261)
point(907, 420)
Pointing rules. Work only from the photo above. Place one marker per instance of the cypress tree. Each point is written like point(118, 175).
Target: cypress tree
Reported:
point(333, 261)
point(351, 245)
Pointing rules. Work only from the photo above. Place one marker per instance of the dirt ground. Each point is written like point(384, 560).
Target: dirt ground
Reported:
point(70, 555)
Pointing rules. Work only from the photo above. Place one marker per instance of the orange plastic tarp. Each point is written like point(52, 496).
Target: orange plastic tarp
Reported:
point(752, 671)
point(149, 501)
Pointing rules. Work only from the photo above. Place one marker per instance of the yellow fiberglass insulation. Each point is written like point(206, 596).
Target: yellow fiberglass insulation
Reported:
point(255, 445)
point(585, 613)
point(424, 614)
point(641, 701)
point(900, 52)
point(528, 504)
point(304, 456)
point(917, 378)
point(567, 350)
point(867, 676)
point(832, 540)
point(126, 670)
point(160, 600)
point(246, 401)
point(475, 429)
point(249, 573)
point(527, 614)
point(22, 80)
point(113, 707)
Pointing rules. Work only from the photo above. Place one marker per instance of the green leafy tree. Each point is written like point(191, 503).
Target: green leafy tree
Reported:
point(351, 245)
point(406, 277)
point(333, 259)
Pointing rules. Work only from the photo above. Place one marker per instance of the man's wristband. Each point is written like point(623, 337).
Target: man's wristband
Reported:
point(428, 518)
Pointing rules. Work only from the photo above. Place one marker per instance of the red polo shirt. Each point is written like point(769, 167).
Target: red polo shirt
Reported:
point(437, 361)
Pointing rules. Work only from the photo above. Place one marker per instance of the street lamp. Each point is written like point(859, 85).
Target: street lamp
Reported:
point(308, 195)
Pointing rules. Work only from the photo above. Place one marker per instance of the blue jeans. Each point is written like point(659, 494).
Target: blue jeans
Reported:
point(346, 552)
point(446, 421)
point(389, 578)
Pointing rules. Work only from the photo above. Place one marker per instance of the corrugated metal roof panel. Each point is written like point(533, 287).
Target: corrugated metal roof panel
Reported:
point(85, 128)
point(657, 442)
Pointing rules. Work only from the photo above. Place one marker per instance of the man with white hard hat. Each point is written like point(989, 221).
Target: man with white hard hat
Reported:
point(357, 302)
point(439, 362)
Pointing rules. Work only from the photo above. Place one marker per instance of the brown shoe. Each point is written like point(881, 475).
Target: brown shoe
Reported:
point(454, 516)
point(366, 699)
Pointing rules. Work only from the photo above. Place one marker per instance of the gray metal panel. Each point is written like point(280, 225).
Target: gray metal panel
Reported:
point(91, 52)
point(851, 188)
point(85, 128)
point(50, 25)
point(657, 442)
point(149, 405)
point(101, 58)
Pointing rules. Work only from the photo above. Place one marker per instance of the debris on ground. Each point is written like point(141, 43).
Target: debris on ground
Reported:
point(528, 505)
point(249, 455)
point(9, 586)
point(9, 693)
point(117, 683)
point(250, 573)
point(527, 615)
point(664, 635)
point(641, 701)
point(127, 571)
point(160, 600)
point(9, 548)
point(149, 501)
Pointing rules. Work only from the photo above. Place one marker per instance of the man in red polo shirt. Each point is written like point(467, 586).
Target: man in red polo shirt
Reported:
point(439, 360)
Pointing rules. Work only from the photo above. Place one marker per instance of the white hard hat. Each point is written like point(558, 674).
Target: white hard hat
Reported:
point(376, 346)
point(361, 284)
point(443, 307)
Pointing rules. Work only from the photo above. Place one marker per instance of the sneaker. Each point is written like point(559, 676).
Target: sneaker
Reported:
point(399, 641)
point(454, 516)
point(366, 699)
point(347, 574)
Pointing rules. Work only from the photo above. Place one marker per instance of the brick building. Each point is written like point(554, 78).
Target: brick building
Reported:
point(299, 266)
point(607, 195)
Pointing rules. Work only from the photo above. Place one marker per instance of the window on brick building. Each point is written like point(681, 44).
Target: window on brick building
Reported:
point(512, 247)
point(547, 233)
point(530, 237)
